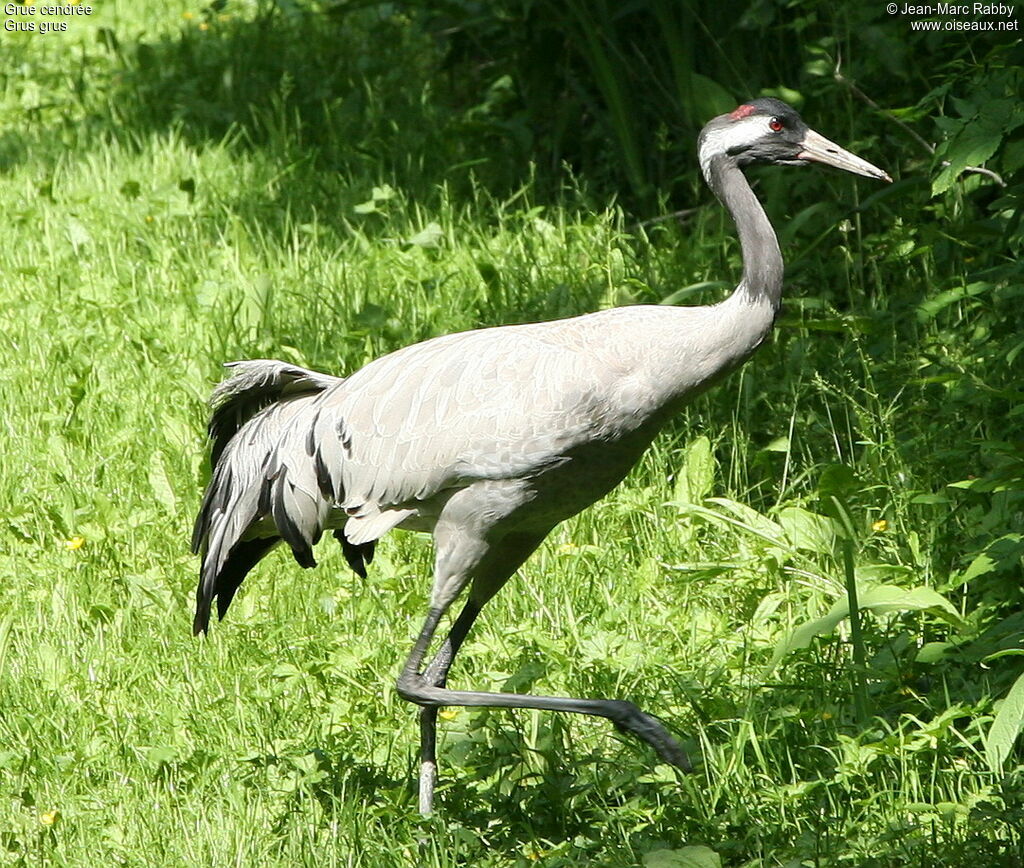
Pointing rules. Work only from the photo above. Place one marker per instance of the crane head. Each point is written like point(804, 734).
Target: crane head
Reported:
point(767, 130)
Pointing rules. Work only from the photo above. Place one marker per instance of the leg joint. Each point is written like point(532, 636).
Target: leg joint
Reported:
point(413, 687)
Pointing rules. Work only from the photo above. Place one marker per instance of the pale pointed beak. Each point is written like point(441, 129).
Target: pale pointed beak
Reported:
point(818, 149)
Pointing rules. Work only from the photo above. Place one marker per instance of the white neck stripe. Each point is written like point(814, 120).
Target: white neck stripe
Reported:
point(724, 139)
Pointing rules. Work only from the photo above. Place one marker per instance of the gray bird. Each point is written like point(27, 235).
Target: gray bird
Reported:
point(489, 438)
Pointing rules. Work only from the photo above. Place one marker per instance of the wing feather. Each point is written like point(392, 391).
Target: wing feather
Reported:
point(295, 449)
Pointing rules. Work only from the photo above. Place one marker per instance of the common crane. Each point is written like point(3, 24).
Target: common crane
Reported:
point(488, 439)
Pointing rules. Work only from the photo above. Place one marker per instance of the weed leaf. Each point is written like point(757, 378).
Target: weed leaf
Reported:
point(78, 235)
point(697, 475)
point(159, 482)
point(808, 530)
point(878, 598)
point(428, 236)
point(1006, 727)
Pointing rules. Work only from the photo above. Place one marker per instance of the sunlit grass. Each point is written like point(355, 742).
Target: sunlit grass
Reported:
point(136, 259)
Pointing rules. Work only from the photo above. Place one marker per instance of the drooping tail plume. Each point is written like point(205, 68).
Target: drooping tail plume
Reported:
point(250, 505)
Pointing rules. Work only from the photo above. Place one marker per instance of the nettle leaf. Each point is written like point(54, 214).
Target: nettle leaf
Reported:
point(974, 144)
point(1006, 726)
point(877, 598)
point(979, 136)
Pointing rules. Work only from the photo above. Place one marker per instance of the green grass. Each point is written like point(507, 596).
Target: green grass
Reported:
point(151, 234)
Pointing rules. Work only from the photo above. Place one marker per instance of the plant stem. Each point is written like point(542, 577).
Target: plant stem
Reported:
point(860, 689)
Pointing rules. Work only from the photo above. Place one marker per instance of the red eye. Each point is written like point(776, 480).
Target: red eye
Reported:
point(775, 125)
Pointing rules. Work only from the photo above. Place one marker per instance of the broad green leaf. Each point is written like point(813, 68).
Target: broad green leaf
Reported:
point(696, 478)
point(975, 143)
point(697, 856)
point(808, 530)
point(927, 310)
point(982, 565)
point(1013, 157)
point(889, 598)
point(163, 753)
point(750, 520)
point(1001, 555)
point(930, 499)
point(1009, 721)
point(5, 638)
point(779, 444)
point(160, 483)
point(178, 433)
point(932, 652)
point(880, 574)
point(78, 235)
point(877, 598)
point(710, 98)
point(837, 480)
point(428, 236)
point(371, 317)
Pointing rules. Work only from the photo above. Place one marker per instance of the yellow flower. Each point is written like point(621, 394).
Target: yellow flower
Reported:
point(204, 26)
point(188, 16)
point(567, 548)
point(880, 526)
point(448, 713)
point(75, 543)
point(48, 818)
point(826, 715)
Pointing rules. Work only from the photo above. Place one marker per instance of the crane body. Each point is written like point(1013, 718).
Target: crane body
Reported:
point(487, 439)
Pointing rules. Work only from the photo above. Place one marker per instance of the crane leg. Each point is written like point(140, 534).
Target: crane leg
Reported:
point(420, 688)
point(437, 673)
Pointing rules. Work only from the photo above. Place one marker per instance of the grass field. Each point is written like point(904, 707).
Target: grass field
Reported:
point(174, 196)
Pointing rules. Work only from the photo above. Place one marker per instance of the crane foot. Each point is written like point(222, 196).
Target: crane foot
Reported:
point(628, 718)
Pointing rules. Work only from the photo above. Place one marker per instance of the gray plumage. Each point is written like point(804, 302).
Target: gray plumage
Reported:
point(489, 438)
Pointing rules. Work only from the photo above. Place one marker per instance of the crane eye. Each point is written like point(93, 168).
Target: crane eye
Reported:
point(775, 125)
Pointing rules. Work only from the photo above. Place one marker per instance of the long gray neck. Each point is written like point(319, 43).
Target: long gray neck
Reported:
point(688, 349)
point(698, 346)
point(762, 260)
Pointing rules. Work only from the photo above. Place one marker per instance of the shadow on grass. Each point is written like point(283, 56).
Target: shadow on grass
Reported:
point(352, 94)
